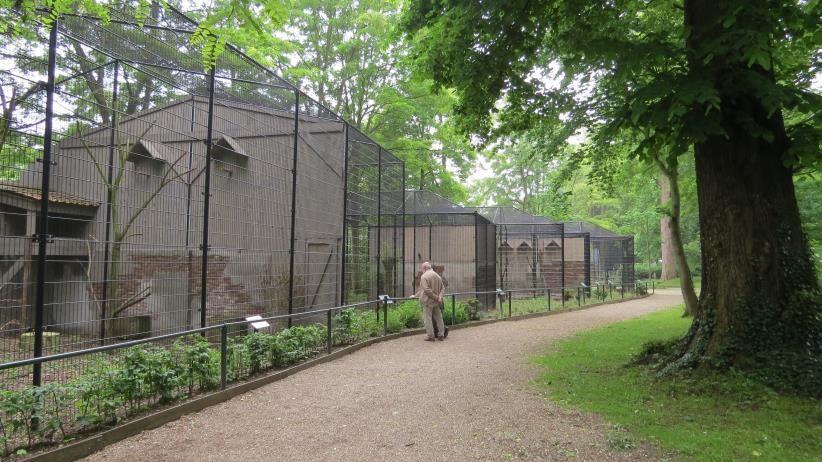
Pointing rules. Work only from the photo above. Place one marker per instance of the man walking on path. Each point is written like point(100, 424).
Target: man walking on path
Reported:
point(431, 293)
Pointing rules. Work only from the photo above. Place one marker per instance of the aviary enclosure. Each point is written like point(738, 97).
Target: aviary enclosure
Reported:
point(174, 198)
point(142, 196)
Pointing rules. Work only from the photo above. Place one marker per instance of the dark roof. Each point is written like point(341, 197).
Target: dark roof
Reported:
point(150, 150)
point(54, 196)
point(502, 215)
point(422, 202)
point(227, 149)
point(595, 231)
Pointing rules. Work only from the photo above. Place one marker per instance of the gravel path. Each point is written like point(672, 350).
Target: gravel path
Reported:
point(468, 398)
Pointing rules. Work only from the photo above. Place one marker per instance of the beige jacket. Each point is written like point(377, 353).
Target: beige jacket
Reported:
point(431, 288)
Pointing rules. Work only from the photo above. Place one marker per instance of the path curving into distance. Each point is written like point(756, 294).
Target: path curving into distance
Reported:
point(468, 398)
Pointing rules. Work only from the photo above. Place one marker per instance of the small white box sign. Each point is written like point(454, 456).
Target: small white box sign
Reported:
point(257, 323)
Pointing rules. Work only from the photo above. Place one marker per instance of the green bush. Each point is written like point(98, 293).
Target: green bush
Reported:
point(461, 310)
point(409, 314)
point(258, 350)
point(200, 364)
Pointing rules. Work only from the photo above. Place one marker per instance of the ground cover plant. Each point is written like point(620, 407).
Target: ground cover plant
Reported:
point(128, 382)
point(701, 417)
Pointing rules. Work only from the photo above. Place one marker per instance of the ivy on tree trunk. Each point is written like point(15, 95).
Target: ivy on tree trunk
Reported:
point(759, 309)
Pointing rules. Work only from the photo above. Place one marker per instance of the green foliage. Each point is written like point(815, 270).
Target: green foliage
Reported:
point(241, 21)
point(408, 313)
point(199, 363)
point(140, 377)
point(463, 312)
point(257, 345)
point(14, 159)
point(703, 417)
point(352, 57)
point(809, 198)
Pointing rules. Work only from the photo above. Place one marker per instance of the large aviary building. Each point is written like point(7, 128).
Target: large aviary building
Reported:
point(146, 177)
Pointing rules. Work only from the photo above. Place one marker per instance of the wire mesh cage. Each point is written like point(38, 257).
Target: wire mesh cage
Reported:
point(142, 195)
point(373, 235)
point(611, 256)
point(535, 253)
point(457, 241)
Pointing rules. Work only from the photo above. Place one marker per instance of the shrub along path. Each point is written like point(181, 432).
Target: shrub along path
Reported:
point(468, 398)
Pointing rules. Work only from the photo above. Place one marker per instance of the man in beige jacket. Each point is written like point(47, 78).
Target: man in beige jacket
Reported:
point(431, 292)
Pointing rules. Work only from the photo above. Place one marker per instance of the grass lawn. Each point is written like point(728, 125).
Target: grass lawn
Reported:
point(701, 419)
point(674, 284)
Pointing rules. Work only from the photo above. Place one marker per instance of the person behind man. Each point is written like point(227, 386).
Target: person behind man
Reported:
point(432, 291)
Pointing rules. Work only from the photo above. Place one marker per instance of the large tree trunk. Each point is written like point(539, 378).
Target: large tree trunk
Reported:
point(669, 260)
point(759, 309)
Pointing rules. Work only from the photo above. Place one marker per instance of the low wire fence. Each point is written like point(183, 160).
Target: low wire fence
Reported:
point(91, 389)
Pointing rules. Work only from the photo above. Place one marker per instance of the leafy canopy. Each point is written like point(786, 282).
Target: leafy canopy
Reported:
point(624, 64)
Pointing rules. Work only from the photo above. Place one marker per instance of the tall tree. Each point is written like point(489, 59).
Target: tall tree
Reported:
point(715, 76)
point(354, 59)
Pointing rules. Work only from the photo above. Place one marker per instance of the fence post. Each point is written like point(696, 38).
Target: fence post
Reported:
point(509, 303)
point(385, 317)
point(293, 204)
point(622, 291)
point(329, 341)
point(223, 355)
point(345, 219)
point(379, 218)
point(653, 286)
point(453, 309)
point(42, 237)
point(579, 297)
point(562, 265)
point(549, 299)
point(207, 199)
point(404, 234)
point(562, 296)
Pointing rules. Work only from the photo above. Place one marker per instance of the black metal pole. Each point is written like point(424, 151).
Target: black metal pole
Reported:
point(379, 216)
point(453, 309)
point(42, 236)
point(109, 178)
point(384, 317)
point(293, 206)
point(414, 254)
point(587, 252)
point(207, 199)
point(506, 255)
point(476, 253)
point(345, 220)
point(562, 266)
point(404, 234)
